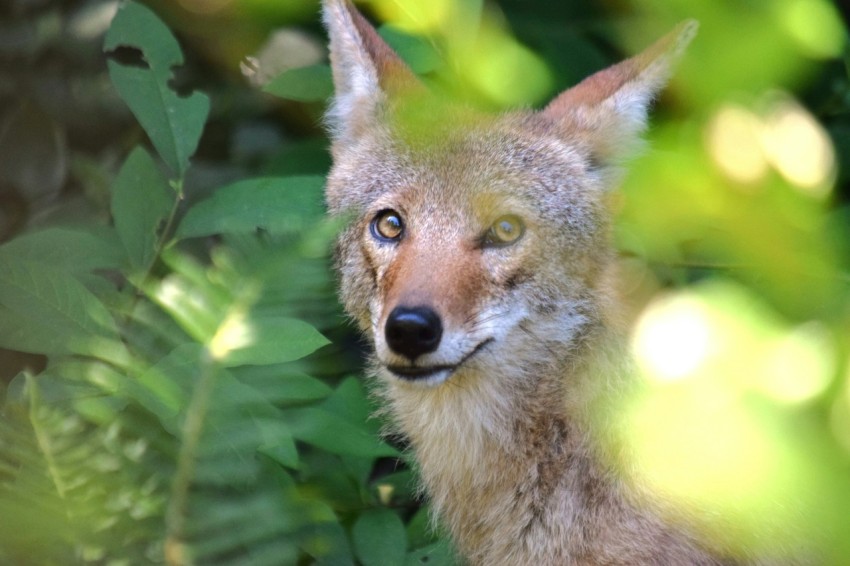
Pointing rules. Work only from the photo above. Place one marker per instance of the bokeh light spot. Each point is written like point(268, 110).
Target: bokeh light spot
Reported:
point(672, 338)
point(799, 366)
point(797, 146)
point(734, 143)
point(815, 25)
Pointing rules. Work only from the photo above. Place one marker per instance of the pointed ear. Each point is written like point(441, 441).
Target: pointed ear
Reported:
point(365, 70)
point(607, 111)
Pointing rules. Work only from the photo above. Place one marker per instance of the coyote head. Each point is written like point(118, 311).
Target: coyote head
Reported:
point(477, 243)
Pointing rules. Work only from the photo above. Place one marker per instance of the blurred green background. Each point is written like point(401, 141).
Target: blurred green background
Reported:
point(733, 227)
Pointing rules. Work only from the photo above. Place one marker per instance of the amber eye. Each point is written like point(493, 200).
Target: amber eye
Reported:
point(504, 231)
point(387, 226)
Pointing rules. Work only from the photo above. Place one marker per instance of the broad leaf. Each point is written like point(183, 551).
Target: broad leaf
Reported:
point(174, 124)
point(349, 401)
point(273, 340)
point(49, 302)
point(436, 554)
point(140, 202)
point(278, 443)
point(305, 84)
point(75, 250)
point(282, 385)
point(379, 538)
point(335, 434)
point(274, 204)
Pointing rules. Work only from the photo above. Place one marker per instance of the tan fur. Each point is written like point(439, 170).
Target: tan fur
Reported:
point(506, 441)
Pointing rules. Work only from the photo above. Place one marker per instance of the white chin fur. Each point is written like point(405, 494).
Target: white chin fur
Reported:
point(427, 381)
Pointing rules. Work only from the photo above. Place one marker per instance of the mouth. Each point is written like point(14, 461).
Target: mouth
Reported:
point(436, 373)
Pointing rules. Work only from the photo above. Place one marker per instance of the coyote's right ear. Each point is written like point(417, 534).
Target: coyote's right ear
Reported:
point(365, 70)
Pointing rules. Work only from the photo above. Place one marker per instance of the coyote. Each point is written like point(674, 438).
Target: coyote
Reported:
point(477, 261)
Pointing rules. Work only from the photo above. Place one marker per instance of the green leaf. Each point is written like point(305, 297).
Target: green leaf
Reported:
point(281, 386)
point(350, 401)
point(379, 538)
point(140, 202)
point(163, 389)
point(278, 443)
point(420, 55)
point(274, 204)
point(306, 84)
point(75, 250)
point(46, 301)
point(335, 434)
point(437, 554)
point(273, 340)
point(174, 124)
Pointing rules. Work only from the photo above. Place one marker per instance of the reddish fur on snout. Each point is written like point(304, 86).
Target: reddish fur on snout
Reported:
point(447, 277)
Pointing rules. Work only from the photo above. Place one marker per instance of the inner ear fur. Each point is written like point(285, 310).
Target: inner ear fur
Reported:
point(365, 70)
point(607, 111)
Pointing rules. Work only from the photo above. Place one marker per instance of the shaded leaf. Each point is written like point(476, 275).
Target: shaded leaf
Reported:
point(280, 385)
point(278, 443)
point(335, 434)
point(349, 401)
point(174, 124)
point(76, 250)
point(306, 84)
point(275, 204)
point(49, 302)
point(437, 554)
point(140, 202)
point(379, 538)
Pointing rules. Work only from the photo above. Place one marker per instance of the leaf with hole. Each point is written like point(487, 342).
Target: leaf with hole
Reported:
point(173, 123)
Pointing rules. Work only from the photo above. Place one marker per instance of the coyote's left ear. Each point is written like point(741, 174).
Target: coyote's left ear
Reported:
point(607, 111)
point(366, 71)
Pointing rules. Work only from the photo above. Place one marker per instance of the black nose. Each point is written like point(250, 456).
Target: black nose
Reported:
point(414, 331)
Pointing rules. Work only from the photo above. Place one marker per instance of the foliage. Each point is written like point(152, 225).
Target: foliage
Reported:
point(170, 392)
point(172, 421)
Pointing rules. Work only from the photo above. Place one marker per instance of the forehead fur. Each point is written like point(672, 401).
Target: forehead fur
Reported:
point(461, 153)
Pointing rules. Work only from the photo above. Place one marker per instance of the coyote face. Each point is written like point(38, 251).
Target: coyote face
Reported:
point(469, 247)
point(477, 262)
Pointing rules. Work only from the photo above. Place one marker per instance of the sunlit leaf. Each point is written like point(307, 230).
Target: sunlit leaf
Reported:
point(173, 123)
point(273, 340)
